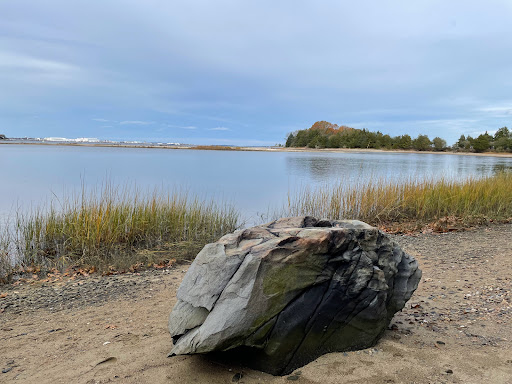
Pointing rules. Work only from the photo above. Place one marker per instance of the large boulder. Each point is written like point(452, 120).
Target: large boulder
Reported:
point(278, 296)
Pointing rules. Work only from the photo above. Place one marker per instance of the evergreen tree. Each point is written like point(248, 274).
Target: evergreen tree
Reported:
point(290, 140)
point(439, 144)
point(502, 133)
point(422, 143)
point(502, 140)
point(403, 142)
point(461, 143)
point(482, 143)
point(469, 143)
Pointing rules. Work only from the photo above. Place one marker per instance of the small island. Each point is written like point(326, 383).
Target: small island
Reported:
point(323, 134)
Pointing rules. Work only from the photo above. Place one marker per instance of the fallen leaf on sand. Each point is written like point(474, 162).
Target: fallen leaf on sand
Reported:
point(3, 295)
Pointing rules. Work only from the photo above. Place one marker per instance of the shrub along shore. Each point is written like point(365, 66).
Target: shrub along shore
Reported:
point(115, 229)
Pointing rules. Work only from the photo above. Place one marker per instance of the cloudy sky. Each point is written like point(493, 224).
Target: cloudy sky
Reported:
point(249, 72)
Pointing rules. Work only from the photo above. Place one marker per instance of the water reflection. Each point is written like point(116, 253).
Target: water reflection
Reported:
point(501, 167)
point(255, 182)
point(349, 167)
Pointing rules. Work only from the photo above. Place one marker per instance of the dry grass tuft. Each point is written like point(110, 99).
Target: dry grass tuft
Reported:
point(108, 229)
point(415, 203)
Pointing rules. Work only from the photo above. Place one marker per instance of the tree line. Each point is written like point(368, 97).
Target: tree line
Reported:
point(501, 141)
point(323, 134)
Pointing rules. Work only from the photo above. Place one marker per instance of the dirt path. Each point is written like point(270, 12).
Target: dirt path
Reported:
point(456, 328)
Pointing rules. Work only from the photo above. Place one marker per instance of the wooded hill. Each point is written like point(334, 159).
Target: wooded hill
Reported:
point(323, 134)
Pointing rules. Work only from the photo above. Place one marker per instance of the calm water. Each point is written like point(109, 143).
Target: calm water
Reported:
point(253, 181)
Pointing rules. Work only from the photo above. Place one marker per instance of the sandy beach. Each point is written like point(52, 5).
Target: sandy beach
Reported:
point(112, 329)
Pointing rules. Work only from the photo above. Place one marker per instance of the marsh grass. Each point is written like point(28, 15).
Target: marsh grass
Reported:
point(216, 148)
point(115, 228)
point(413, 203)
point(6, 264)
point(111, 227)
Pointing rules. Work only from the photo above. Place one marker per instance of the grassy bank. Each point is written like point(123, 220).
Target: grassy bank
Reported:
point(113, 229)
point(411, 205)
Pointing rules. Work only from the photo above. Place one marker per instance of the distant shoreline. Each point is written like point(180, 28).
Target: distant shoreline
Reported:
point(369, 150)
point(256, 149)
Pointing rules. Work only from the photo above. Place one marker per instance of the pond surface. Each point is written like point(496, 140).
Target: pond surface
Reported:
point(253, 181)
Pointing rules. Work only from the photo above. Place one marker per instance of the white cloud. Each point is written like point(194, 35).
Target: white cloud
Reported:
point(23, 74)
point(190, 127)
point(101, 120)
point(500, 110)
point(219, 129)
point(136, 122)
point(17, 61)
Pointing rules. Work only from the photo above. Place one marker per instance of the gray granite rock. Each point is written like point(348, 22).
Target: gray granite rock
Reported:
point(278, 296)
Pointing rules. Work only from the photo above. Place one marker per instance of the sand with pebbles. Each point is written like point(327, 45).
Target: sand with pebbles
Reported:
point(457, 328)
